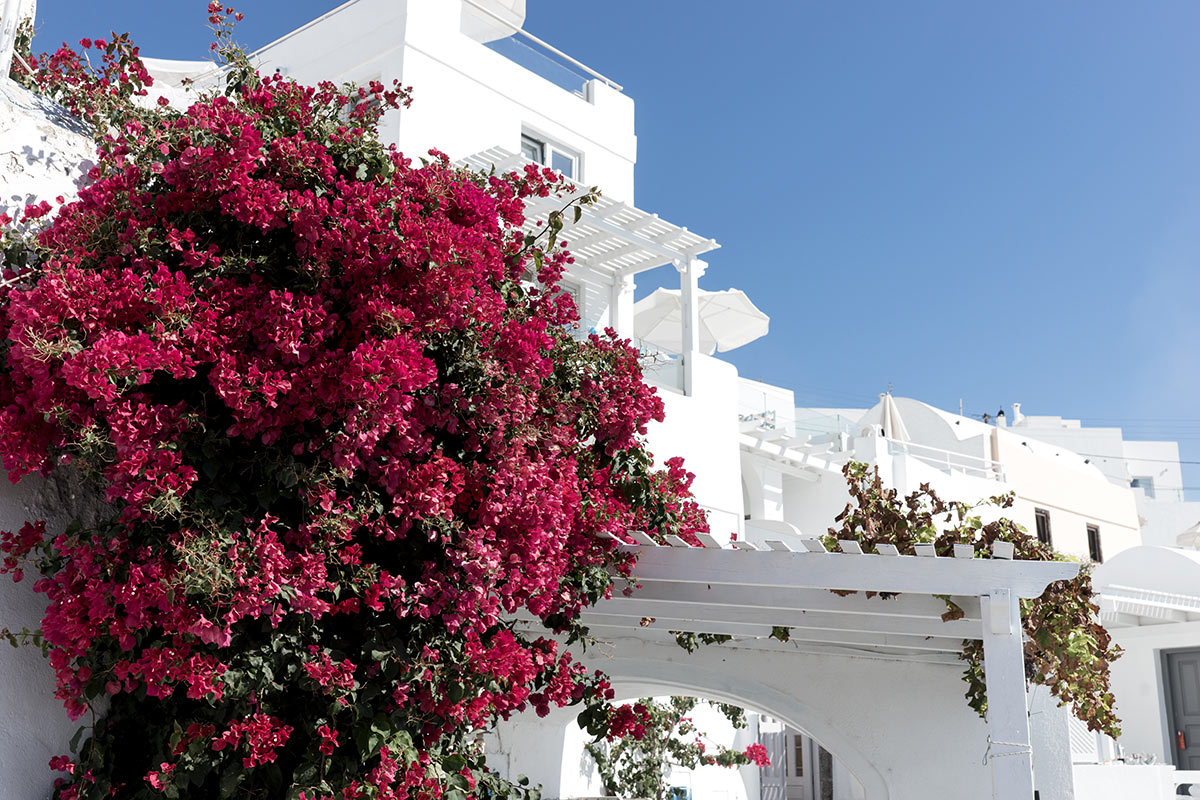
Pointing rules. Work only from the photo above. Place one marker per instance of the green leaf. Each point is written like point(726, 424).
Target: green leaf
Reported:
point(230, 781)
point(74, 744)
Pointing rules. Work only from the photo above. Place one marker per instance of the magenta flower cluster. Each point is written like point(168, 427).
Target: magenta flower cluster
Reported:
point(344, 443)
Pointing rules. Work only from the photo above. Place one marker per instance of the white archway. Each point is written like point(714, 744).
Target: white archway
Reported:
point(643, 677)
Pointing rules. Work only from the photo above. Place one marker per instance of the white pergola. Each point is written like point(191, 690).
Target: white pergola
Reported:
point(620, 240)
point(746, 592)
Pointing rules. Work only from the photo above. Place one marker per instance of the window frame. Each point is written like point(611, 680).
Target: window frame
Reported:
point(1145, 483)
point(1095, 548)
point(1041, 524)
point(548, 149)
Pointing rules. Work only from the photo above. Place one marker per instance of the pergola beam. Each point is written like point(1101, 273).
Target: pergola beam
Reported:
point(599, 623)
point(921, 606)
point(689, 614)
point(849, 572)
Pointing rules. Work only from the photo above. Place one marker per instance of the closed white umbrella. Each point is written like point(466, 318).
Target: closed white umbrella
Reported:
point(893, 426)
point(728, 320)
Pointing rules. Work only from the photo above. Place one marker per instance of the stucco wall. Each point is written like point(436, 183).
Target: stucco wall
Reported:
point(702, 428)
point(43, 150)
point(33, 725)
point(1075, 495)
point(43, 154)
point(1137, 683)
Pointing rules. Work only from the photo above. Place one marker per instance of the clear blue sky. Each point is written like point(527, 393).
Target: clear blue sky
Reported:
point(992, 202)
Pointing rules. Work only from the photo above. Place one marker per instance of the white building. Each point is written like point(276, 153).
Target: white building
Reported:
point(878, 687)
point(792, 471)
point(1151, 469)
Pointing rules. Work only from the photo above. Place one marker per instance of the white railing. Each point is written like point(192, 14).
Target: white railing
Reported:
point(664, 371)
point(1150, 599)
point(534, 54)
point(949, 460)
point(1090, 747)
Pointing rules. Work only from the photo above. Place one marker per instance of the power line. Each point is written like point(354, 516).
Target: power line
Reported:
point(1135, 458)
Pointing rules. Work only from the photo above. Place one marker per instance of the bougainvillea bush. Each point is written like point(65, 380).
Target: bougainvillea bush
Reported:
point(343, 438)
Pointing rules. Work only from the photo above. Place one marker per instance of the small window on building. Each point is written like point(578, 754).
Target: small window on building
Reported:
point(551, 154)
point(533, 149)
point(1144, 483)
point(1094, 551)
point(1041, 518)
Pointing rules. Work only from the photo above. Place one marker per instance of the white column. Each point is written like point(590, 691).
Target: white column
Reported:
point(1009, 753)
point(12, 12)
point(690, 270)
point(620, 309)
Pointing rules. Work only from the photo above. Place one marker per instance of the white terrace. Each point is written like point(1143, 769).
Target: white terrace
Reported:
point(874, 676)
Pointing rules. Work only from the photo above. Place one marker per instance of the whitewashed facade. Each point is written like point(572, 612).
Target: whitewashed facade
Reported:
point(792, 471)
point(877, 686)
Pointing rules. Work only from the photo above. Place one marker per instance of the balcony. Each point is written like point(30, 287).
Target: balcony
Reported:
point(535, 55)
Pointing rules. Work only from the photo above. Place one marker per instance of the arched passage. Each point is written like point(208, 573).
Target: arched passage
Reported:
point(642, 677)
point(901, 728)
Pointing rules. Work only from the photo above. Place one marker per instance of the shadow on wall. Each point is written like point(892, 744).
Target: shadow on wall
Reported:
point(33, 725)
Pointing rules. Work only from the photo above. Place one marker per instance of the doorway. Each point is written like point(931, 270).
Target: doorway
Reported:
point(1181, 670)
point(800, 766)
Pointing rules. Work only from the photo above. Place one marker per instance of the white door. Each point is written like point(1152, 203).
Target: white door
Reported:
point(773, 779)
point(800, 766)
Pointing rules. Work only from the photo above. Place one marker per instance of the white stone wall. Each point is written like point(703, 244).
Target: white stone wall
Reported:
point(44, 152)
point(33, 725)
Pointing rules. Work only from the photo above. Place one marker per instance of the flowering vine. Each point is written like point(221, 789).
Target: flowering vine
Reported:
point(645, 740)
point(1066, 647)
point(342, 441)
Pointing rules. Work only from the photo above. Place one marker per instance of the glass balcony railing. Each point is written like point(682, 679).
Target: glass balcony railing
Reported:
point(542, 62)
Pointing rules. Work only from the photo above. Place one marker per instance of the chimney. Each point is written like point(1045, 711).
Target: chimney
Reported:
point(1017, 415)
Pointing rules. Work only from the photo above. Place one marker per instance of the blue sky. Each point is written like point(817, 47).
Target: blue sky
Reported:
point(992, 202)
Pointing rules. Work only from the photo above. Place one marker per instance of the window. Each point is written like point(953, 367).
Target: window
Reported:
point(550, 154)
point(1145, 484)
point(1041, 518)
point(1094, 551)
point(796, 767)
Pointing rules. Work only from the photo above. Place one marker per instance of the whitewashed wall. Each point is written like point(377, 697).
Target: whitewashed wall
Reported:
point(1074, 494)
point(703, 429)
point(43, 154)
point(33, 725)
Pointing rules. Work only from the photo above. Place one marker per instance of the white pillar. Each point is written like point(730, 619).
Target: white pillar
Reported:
point(620, 307)
point(1009, 753)
point(12, 13)
point(690, 270)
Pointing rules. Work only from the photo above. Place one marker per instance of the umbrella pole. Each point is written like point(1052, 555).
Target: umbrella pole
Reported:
point(689, 290)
